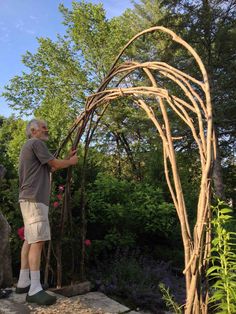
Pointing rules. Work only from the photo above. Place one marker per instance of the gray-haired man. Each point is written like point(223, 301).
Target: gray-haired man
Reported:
point(34, 179)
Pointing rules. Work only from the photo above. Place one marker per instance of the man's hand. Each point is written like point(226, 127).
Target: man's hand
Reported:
point(72, 152)
point(73, 160)
point(52, 169)
point(56, 164)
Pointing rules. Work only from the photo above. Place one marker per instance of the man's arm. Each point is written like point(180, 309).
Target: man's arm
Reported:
point(56, 164)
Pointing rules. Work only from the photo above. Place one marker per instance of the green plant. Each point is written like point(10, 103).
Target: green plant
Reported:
point(169, 299)
point(223, 259)
point(121, 212)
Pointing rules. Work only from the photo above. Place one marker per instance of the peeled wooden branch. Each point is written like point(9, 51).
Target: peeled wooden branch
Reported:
point(192, 109)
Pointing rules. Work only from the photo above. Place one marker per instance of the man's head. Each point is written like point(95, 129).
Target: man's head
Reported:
point(37, 129)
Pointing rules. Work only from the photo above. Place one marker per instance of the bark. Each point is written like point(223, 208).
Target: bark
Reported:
point(217, 175)
point(217, 171)
point(59, 264)
point(47, 262)
point(6, 279)
point(2, 172)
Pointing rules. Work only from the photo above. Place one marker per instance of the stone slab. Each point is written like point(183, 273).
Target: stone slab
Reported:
point(15, 304)
point(98, 300)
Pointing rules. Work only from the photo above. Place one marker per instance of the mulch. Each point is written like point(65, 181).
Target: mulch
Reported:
point(66, 306)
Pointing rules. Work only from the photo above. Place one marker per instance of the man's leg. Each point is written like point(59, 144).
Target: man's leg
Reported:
point(36, 293)
point(34, 265)
point(24, 279)
point(25, 255)
point(35, 255)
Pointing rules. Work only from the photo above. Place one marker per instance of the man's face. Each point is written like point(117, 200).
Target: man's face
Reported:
point(41, 132)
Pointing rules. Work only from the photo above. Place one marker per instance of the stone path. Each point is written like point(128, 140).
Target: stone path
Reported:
point(89, 303)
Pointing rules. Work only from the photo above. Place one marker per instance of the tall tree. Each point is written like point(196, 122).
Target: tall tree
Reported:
point(54, 73)
point(210, 26)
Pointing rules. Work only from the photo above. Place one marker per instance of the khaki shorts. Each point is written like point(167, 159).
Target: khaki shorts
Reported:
point(35, 216)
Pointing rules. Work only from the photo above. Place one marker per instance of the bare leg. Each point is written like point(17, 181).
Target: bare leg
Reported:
point(24, 255)
point(24, 278)
point(35, 255)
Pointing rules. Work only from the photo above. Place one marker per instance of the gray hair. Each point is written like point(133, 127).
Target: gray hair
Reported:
point(33, 125)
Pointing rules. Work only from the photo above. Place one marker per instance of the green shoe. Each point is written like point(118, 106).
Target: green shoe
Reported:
point(41, 298)
point(26, 289)
point(22, 290)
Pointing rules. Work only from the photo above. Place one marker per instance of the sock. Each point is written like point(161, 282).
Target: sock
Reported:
point(35, 282)
point(24, 279)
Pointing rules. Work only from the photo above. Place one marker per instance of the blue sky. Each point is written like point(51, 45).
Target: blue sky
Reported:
point(21, 21)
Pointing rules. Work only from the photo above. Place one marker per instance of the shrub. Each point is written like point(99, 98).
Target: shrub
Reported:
point(121, 212)
point(223, 259)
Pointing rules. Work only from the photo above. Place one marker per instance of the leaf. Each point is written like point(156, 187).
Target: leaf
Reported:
point(226, 210)
point(226, 217)
point(211, 269)
point(218, 295)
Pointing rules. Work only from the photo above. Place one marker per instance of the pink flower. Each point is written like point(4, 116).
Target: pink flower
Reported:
point(87, 242)
point(61, 188)
point(21, 233)
point(55, 204)
point(59, 196)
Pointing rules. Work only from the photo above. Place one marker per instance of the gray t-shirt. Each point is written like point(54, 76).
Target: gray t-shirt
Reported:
point(34, 172)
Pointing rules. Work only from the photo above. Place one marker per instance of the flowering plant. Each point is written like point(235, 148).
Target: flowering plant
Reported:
point(57, 199)
point(21, 233)
point(55, 204)
point(87, 242)
point(60, 197)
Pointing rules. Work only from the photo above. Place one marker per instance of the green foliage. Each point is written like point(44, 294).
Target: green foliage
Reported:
point(210, 27)
point(10, 208)
point(169, 299)
point(59, 117)
point(223, 259)
point(54, 75)
point(12, 137)
point(125, 210)
point(97, 38)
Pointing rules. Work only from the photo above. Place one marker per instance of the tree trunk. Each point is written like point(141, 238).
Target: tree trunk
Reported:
point(217, 171)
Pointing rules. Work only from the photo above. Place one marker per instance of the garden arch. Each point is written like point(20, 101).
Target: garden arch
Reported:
point(195, 110)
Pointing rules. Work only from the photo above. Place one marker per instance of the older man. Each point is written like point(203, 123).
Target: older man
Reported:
point(34, 179)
